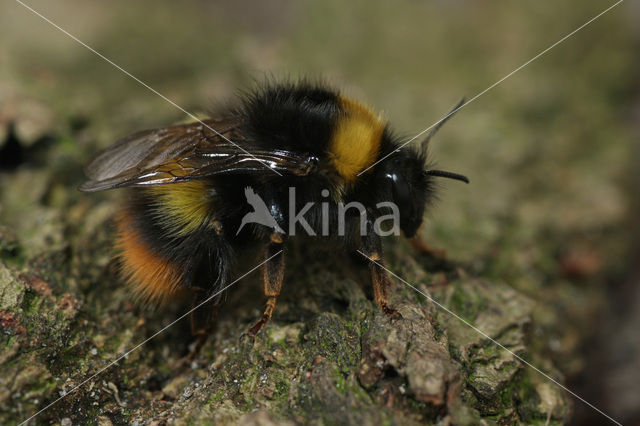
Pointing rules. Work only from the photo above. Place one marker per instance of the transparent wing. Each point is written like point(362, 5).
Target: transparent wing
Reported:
point(186, 152)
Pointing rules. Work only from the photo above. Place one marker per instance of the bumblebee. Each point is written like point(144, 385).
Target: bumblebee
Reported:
point(186, 221)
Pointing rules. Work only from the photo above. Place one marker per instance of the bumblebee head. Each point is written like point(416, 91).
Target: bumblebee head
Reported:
point(408, 189)
point(411, 186)
point(411, 179)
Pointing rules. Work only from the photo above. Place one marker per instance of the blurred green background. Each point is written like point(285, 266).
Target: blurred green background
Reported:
point(552, 152)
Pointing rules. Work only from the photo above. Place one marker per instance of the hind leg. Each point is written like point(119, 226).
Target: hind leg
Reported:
point(207, 300)
point(203, 318)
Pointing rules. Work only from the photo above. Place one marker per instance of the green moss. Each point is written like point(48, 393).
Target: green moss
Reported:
point(464, 306)
point(329, 337)
point(217, 396)
point(417, 406)
point(31, 303)
point(282, 388)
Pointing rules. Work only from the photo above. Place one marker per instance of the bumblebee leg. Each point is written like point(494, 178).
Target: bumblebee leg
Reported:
point(420, 246)
point(372, 248)
point(203, 319)
point(272, 276)
point(380, 281)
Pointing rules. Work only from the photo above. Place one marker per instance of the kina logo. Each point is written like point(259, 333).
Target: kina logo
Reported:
point(260, 213)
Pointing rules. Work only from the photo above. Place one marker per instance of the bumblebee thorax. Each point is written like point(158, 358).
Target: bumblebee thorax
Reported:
point(355, 142)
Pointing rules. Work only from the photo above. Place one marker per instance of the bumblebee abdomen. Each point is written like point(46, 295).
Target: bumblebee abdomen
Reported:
point(153, 278)
point(162, 236)
point(182, 208)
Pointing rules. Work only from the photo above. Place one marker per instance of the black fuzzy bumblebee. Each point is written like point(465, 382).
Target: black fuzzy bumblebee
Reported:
point(184, 226)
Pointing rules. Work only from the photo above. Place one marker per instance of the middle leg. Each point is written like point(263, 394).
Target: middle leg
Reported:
point(272, 274)
point(372, 249)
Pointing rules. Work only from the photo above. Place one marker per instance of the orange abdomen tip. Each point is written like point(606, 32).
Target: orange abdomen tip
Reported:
point(153, 279)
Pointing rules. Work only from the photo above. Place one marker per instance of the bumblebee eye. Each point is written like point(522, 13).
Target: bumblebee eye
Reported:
point(404, 198)
point(401, 191)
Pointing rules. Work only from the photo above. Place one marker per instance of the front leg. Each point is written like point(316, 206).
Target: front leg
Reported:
point(372, 249)
point(420, 246)
point(272, 274)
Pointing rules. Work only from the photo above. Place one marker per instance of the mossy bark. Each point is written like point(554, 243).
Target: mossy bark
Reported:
point(329, 355)
point(539, 241)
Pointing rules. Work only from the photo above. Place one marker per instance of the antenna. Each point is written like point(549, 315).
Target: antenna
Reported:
point(425, 142)
point(449, 175)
